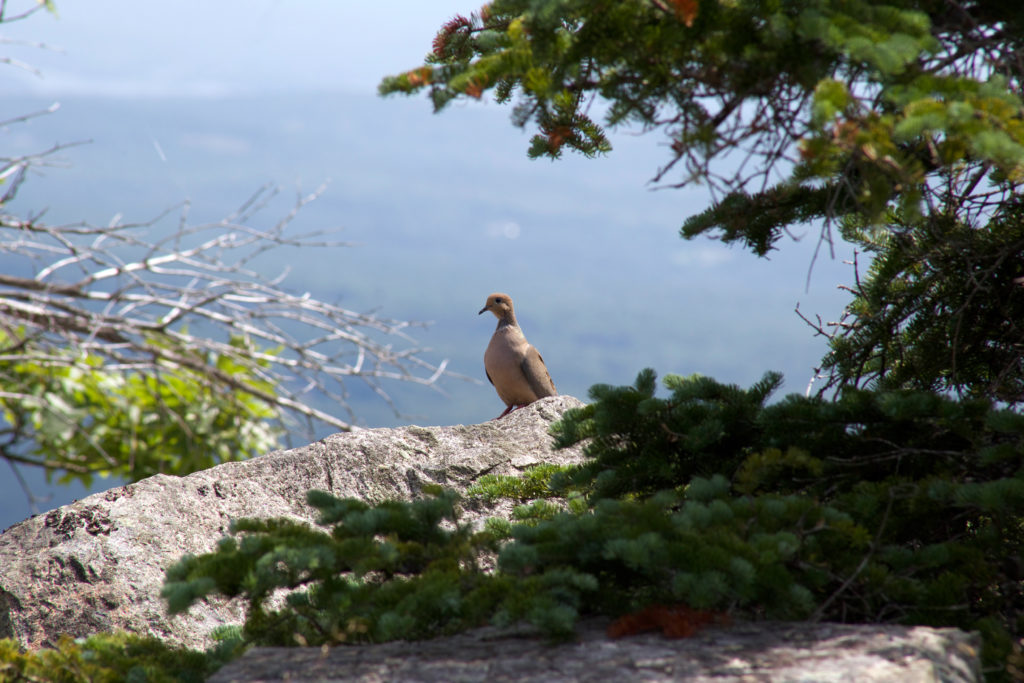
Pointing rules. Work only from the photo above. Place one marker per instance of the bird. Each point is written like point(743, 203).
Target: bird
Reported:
point(512, 364)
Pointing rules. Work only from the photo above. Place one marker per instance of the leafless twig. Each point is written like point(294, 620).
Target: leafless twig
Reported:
point(111, 290)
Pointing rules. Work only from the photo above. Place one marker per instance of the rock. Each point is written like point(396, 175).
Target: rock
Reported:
point(98, 564)
point(744, 652)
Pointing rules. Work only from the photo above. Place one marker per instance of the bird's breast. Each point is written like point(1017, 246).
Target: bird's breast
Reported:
point(503, 361)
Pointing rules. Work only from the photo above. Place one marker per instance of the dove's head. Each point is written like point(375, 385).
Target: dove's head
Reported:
point(499, 304)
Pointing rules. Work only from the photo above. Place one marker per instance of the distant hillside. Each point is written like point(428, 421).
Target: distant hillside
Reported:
point(447, 209)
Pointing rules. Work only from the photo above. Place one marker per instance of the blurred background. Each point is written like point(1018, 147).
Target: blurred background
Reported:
point(207, 102)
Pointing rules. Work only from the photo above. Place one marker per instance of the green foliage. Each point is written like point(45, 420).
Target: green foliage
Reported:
point(902, 506)
point(702, 431)
point(112, 658)
point(391, 571)
point(939, 308)
point(531, 484)
point(753, 220)
point(700, 548)
point(896, 506)
point(381, 572)
point(80, 416)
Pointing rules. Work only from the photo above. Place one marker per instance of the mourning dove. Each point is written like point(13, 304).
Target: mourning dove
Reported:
point(513, 366)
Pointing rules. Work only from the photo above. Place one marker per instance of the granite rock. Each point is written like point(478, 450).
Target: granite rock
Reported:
point(740, 653)
point(98, 564)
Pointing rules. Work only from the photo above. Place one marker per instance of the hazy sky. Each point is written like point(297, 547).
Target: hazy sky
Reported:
point(133, 48)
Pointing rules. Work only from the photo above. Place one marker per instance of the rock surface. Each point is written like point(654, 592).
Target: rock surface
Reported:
point(742, 653)
point(98, 564)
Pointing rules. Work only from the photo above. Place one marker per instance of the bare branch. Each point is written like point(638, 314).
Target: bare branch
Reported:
point(7, 16)
point(116, 293)
point(25, 117)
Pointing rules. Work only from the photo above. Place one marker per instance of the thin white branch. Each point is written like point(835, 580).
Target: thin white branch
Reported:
point(141, 304)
